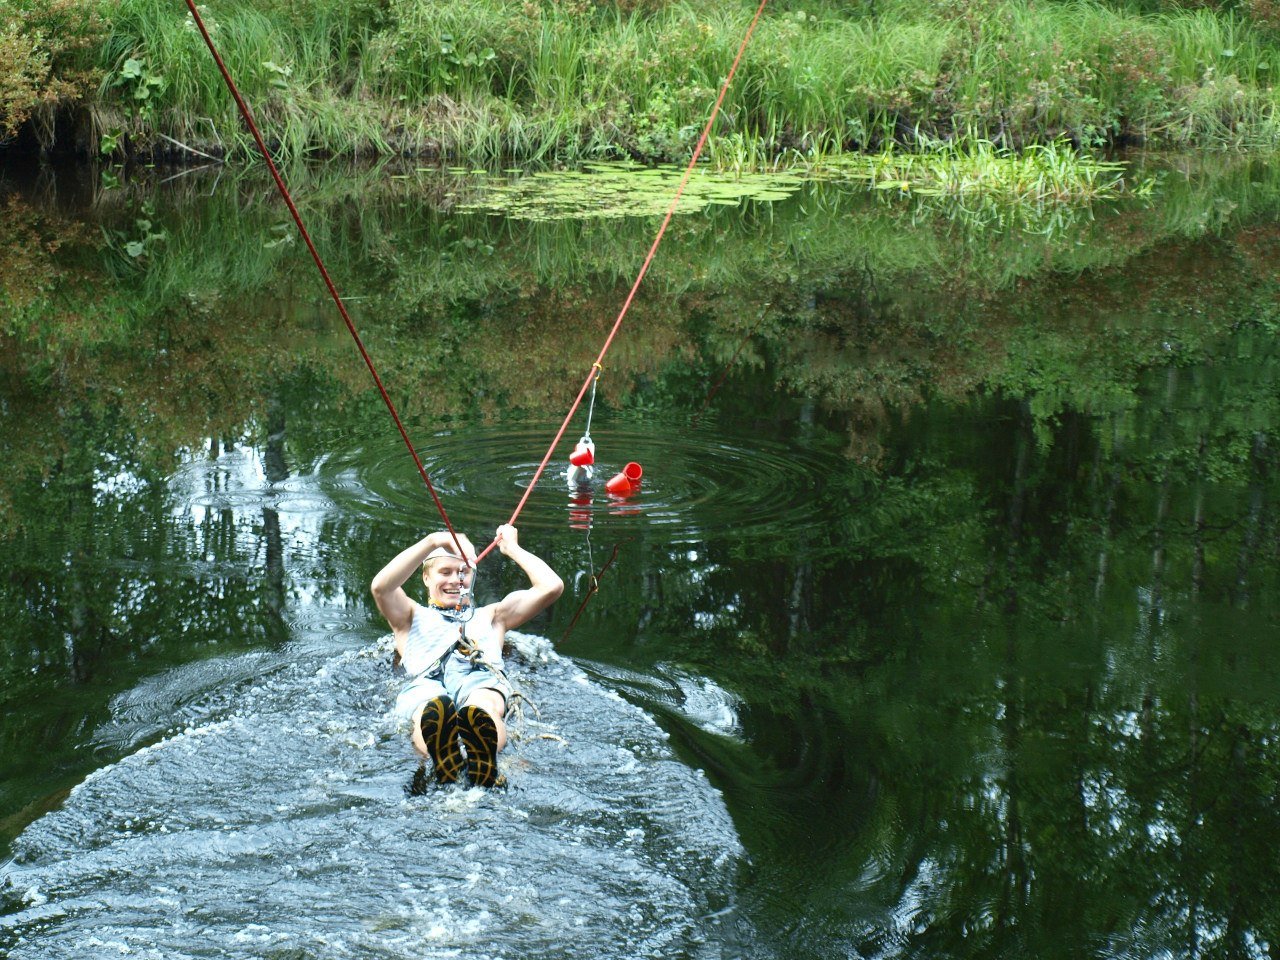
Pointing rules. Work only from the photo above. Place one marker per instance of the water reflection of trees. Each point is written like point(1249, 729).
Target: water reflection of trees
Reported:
point(1044, 630)
point(1034, 626)
point(1043, 785)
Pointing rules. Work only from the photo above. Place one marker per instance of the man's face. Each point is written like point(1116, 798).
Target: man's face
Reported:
point(445, 577)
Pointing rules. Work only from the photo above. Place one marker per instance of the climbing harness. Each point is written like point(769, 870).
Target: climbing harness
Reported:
point(461, 613)
point(592, 376)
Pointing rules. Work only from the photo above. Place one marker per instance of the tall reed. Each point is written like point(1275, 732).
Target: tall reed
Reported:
point(494, 79)
point(296, 63)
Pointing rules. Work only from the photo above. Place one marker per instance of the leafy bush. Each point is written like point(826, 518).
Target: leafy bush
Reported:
point(46, 51)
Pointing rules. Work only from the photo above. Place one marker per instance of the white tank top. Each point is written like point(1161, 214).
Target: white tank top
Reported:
point(431, 636)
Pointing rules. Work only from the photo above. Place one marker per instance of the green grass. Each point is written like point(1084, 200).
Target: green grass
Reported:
point(296, 65)
point(1038, 173)
point(488, 80)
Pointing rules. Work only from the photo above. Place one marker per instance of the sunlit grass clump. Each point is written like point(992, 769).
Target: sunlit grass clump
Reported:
point(1034, 177)
point(1053, 172)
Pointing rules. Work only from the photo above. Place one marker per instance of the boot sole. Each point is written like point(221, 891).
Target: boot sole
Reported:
point(440, 733)
point(479, 734)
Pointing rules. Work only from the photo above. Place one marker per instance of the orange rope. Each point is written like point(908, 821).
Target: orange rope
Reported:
point(333, 291)
point(688, 172)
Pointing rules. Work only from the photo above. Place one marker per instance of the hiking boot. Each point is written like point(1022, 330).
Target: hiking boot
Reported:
point(479, 734)
point(440, 733)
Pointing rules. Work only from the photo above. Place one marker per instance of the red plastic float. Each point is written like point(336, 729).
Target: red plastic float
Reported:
point(627, 481)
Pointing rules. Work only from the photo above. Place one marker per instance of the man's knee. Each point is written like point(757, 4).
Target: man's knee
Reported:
point(489, 700)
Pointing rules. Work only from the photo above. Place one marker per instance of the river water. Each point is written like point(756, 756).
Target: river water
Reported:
point(942, 623)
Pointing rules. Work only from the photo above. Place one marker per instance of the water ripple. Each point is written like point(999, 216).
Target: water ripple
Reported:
point(700, 700)
point(278, 822)
point(693, 480)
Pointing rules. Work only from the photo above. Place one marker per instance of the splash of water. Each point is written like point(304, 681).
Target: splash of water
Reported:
point(281, 822)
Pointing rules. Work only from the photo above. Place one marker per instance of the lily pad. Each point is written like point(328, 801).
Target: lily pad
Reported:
point(601, 190)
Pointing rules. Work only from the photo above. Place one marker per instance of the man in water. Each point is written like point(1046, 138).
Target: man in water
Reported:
point(452, 650)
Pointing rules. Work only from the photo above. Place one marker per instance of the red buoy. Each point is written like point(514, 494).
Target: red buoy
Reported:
point(625, 483)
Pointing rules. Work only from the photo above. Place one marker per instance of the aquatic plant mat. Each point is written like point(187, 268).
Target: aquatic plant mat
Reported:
point(624, 190)
point(1053, 172)
point(1039, 174)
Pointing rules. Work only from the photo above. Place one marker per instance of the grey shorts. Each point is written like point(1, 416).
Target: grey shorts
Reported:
point(456, 677)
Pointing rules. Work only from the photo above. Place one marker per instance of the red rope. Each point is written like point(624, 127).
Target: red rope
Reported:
point(333, 291)
point(688, 172)
point(324, 273)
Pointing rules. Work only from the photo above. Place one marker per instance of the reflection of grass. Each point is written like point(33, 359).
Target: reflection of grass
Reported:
point(865, 298)
point(385, 233)
point(859, 285)
point(401, 261)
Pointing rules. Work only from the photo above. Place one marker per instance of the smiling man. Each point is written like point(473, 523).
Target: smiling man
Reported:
point(457, 696)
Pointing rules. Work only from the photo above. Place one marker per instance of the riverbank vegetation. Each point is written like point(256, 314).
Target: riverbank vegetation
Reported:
point(572, 80)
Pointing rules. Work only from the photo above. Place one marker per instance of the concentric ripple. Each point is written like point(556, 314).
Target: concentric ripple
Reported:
point(236, 481)
point(695, 480)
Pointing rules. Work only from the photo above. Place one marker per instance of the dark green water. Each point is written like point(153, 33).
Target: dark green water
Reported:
point(954, 567)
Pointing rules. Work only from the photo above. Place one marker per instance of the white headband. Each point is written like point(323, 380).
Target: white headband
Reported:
point(442, 552)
